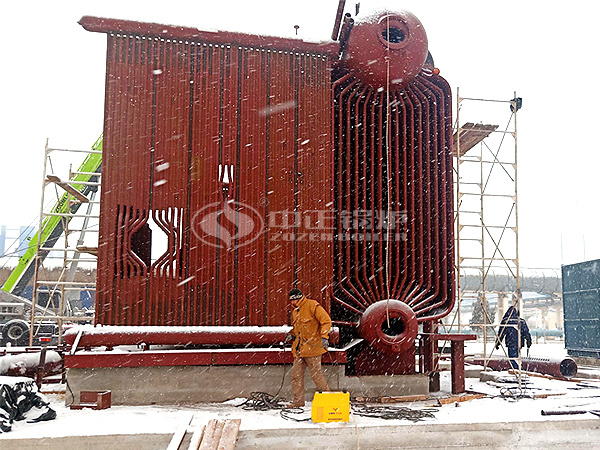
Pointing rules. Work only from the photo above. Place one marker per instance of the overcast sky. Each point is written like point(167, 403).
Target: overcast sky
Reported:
point(52, 86)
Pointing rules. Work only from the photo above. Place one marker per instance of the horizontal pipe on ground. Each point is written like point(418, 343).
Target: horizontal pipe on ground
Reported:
point(557, 367)
point(27, 364)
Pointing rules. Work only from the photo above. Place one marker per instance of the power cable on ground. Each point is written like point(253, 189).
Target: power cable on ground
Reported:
point(263, 401)
point(393, 412)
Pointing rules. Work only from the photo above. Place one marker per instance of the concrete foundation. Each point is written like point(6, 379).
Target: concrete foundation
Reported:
point(563, 434)
point(196, 384)
point(531, 435)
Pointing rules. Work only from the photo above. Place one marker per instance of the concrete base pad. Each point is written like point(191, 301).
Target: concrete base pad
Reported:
point(500, 377)
point(471, 370)
point(195, 384)
point(563, 434)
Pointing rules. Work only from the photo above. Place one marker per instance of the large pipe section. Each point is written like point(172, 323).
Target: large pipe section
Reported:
point(557, 367)
point(389, 48)
point(112, 336)
point(390, 326)
point(28, 364)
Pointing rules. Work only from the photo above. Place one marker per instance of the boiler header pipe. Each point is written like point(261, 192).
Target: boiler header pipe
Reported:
point(112, 336)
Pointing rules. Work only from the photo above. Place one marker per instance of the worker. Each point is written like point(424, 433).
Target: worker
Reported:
point(309, 337)
point(509, 332)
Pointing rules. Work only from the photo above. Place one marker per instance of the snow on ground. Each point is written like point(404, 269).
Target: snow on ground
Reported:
point(539, 348)
point(166, 419)
point(563, 395)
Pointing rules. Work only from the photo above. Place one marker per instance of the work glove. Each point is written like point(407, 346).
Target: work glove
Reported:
point(289, 338)
point(497, 345)
point(325, 343)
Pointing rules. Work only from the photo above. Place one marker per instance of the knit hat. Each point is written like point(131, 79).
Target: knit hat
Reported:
point(295, 294)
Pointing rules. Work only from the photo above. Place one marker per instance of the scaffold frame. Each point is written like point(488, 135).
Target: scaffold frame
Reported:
point(72, 238)
point(486, 237)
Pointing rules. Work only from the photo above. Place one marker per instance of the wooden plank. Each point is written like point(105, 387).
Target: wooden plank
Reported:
point(471, 134)
point(543, 375)
point(86, 249)
point(230, 434)
point(179, 435)
point(209, 432)
point(196, 438)
point(212, 435)
point(458, 399)
point(548, 395)
point(67, 187)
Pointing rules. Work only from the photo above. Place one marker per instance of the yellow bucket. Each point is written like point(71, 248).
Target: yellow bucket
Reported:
point(331, 407)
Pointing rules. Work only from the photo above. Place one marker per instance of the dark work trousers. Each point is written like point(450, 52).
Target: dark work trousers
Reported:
point(513, 354)
point(314, 367)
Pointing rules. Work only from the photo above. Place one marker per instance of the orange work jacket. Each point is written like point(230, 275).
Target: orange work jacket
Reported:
point(310, 323)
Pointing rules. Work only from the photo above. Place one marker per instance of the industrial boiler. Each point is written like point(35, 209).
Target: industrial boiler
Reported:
point(263, 164)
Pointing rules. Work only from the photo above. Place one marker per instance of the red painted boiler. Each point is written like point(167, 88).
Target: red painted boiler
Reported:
point(392, 140)
point(267, 163)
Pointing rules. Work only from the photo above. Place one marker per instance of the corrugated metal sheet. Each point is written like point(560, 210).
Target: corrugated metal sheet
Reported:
point(581, 303)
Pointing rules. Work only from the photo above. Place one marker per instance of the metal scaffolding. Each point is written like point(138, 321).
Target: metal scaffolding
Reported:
point(73, 234)
point(486, 211)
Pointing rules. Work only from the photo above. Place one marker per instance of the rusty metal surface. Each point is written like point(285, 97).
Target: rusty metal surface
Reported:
point(457, 351)
point(192, 126)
